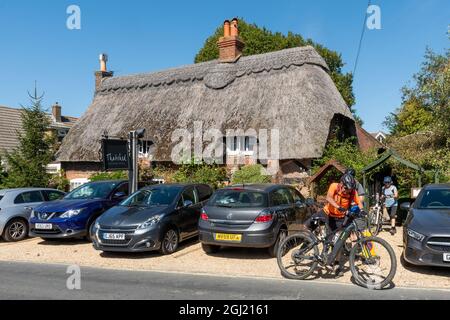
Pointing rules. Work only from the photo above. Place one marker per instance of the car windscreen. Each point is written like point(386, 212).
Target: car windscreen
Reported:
point(161, 196)
point(92, 190)
point(435, 199)
point(238, 198)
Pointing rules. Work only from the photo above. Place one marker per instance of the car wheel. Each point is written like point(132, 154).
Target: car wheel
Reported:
point(273, 249)
point(88, 231)
point(15, 230)
point(210, 248)
point(169, 243)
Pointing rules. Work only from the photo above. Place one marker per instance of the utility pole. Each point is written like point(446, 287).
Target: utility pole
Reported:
point(133, 172)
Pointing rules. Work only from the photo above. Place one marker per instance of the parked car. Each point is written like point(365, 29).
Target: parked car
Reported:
point(426, 234)
point(73, 215)
point(254, 215)
point(16, 206)
point(154, 218)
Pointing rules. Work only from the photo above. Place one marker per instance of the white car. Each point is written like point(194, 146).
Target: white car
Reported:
point(16, 206)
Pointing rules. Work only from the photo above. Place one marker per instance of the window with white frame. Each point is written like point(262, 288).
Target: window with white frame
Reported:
point(241, 145)
point(144, 148)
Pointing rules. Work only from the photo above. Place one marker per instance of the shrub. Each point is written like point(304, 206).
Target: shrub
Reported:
point(210, 174)
point(250, 174)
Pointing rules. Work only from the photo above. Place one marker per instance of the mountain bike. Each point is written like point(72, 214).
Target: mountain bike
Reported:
point(375, 216)
point(372, 260)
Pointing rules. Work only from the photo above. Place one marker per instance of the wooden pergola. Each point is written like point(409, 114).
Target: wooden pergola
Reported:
point(322, 171)
point(386, 156)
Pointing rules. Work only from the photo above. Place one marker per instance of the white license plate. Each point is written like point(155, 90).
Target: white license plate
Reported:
point(43, 226)
point(446, 257)
point(114, 236)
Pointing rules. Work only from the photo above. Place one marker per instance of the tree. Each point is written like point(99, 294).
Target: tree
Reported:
point(420, 127)
point(27, 164)
point(2, 173)
point(260, 40)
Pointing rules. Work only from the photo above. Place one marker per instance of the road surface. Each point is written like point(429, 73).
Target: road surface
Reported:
point(49, 281)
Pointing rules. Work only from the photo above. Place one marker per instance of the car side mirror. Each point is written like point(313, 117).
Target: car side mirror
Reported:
point(187, 203)
point(300, 204)
point(310, 202)
point(405, 206)
point(119, 195)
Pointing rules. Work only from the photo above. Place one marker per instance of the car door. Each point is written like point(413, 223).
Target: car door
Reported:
point(26, 201)
point(282, 204)
point(189, 215)
point(300, 209)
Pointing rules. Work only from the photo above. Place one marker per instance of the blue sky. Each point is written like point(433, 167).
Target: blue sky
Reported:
point(143, 36)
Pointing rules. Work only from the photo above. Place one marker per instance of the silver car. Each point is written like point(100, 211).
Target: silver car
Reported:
point(16, 206)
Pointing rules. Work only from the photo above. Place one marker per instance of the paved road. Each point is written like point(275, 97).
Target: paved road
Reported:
point(45, 281)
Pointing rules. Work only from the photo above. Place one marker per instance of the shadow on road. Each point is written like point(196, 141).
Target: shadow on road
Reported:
point(242, 253)
point(425, 270)
point(183, 246)
point(62, 242)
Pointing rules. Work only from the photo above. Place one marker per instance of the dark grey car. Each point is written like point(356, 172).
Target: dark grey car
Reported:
point(254, 215)
point(154, 218)
point(426, 234)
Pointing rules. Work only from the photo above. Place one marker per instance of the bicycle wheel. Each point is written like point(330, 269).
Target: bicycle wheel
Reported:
point(297, 256)
point(374, 222)
point(373, 263)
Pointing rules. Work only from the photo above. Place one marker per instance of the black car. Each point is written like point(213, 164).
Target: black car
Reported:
point(254, 215)
point(426, 233)
point(154, 218)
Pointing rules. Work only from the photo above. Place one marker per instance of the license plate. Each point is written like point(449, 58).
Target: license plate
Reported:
point(43, 226)
point(228, 237)
point(114, 236)
point(446, 257)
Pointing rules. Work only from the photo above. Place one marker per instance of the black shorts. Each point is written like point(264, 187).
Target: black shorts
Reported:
point(392, 211)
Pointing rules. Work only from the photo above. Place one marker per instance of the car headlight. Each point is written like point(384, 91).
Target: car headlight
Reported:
point(71, 213)
point(32, 214)
point(96, 225)
point(415, 235)
point(150, 222)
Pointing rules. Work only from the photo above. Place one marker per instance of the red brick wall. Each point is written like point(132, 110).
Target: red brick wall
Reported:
point(76, 170)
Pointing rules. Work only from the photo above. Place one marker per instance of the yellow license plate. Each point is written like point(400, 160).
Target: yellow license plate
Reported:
point(228, 237)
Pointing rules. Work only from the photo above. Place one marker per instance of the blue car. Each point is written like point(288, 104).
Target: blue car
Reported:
point(73, 215)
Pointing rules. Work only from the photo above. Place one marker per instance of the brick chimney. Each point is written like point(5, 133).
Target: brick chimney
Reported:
point(230, 45)
point(56, 112)
point(103, 73)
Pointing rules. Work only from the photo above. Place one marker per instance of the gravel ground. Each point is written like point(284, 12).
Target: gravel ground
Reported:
point(191, 258)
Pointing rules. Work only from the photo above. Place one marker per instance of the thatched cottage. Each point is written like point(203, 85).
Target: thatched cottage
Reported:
point(289, 90)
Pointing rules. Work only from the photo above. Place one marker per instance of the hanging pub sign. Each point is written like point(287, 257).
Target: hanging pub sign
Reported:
point(115, 154)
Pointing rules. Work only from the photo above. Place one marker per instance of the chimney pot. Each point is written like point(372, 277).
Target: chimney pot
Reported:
point(234, 28)
point(103, 60)
point(226, 28)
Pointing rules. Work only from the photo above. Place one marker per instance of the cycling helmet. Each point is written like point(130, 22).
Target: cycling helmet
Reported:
point(350, 171)
point(348, 181)
point(387, 179)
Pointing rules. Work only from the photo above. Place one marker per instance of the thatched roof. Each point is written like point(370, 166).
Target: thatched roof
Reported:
point(289, 90)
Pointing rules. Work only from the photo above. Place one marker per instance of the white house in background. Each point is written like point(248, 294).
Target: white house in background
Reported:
point(380, 136)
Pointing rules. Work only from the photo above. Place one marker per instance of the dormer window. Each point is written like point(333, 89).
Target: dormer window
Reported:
point(241, 145)
point(144, 148)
